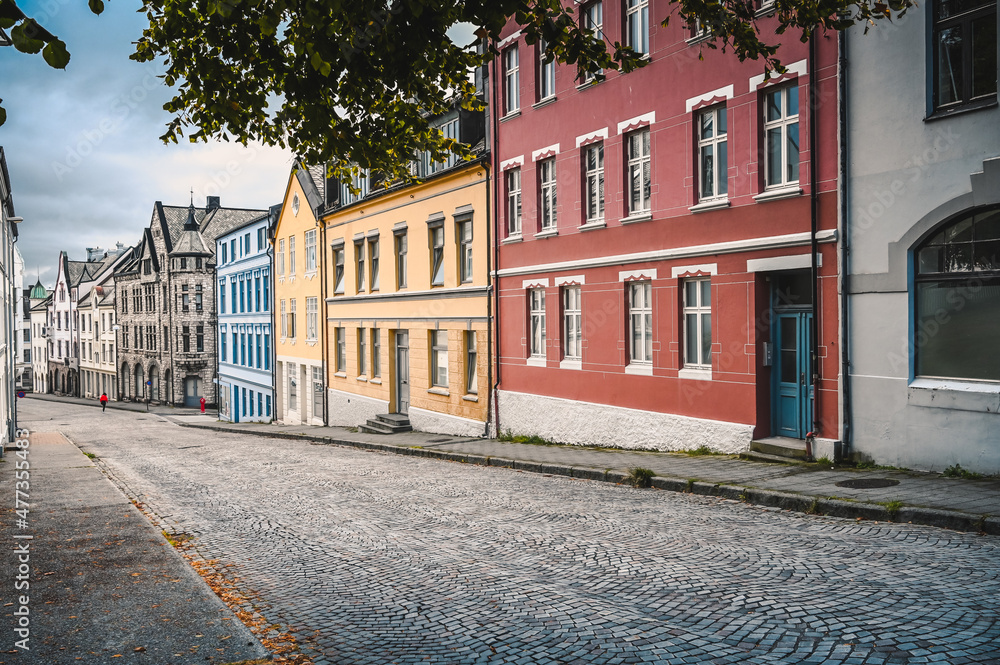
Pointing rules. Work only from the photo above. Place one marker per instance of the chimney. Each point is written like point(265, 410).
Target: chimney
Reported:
point(211, 203)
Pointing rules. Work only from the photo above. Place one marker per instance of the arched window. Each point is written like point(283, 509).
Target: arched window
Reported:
point(957, 304)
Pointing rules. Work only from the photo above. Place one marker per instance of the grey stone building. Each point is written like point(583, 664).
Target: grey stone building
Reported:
point(166, 305)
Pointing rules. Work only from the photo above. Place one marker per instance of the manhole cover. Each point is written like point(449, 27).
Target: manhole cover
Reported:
point(867, 483)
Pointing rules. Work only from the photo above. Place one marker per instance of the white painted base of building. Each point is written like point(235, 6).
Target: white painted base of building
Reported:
point(350, 410)
point(590, 424)
point(442, 423)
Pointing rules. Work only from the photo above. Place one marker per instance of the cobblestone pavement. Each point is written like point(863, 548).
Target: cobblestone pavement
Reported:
point(379, 558)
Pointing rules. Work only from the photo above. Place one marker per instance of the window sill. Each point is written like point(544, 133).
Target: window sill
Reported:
point(590, 226)
point(778, 193)
point(543, 102)
point(698, 38)
point(634, 219)
point(766, 10)
point(641, 369)
point(535, 361)
point(311, 342)
point(977, 105)
point(310, 274)
point(599, 78)
point(437, 390)
point(375, 382)
point(433, 284)
point(512, 239)
point(338, 293)
point(695, 374)
point(705, 206)
point(470, 398)
point(511, 115)
point(954, 394)
point(571, 363)
point(361, 378)
point(341, 375)
point(547, 233)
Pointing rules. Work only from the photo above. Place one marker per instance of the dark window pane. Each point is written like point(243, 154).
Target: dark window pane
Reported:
point(955, 335)
point(949, 66)
point(960, 232)
point(984, 55)
point(987, 255)
point(959, 258)
point(929, 259)
point(988, 226)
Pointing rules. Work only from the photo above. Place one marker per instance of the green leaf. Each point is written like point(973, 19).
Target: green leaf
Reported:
point(55, 54)
point(96, 6)
point(24, 37)
point(3, 115)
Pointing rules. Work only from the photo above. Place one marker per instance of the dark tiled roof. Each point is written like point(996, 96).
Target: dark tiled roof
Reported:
point(212, 224)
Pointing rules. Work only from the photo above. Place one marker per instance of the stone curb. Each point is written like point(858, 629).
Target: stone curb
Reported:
point(801, 503)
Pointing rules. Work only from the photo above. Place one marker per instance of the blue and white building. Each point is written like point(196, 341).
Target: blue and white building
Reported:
point(246, 364)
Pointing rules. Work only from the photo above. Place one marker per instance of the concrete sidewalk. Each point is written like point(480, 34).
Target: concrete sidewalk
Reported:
point(962, 504)
point(101, 583)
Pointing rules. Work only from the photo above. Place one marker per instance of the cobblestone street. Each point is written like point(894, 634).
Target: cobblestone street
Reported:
point(377, 558)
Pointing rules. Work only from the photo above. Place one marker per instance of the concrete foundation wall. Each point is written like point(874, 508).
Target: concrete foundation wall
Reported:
point(351, 410)
point(442, 423)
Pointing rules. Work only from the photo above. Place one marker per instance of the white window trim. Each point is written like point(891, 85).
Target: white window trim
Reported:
point(785, 187)
point(719, 175)
point(699, 311)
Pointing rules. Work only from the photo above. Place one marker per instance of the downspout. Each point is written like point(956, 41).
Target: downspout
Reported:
point(814, 221)
point(324, 352)
point(219, 335)
point(489, 299)
point(273, 352)
point(495, 279)
point(845, 274)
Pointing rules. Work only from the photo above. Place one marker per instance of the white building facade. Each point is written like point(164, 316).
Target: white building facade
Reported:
point(921, 235)
point(40, 299)
point(245, 338)
point(8, 303)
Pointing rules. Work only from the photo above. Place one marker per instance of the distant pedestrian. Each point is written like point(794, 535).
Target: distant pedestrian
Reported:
point(104, 402)
point(202, 402)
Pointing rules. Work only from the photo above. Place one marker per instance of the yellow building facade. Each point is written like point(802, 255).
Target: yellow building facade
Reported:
point(407, 305)
point(298, 295)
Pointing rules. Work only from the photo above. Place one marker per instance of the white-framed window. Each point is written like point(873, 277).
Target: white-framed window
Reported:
point(317, 392)
point(312, 319)
point(376, 353)
point(400, 241)
point(713, 157)
point(280, 259)
point(340, 338)
point(291, 255)
point(637, 25)
point(592, 19)
point(450, 130)
point(511, 81)
point(283, 319)
point(546, 73)
point(593, 182)
point(437, 254)
point(439, 358)
point(547, 193)
point(640, 321)
point(293, 386)
point(464, 236)
point(639, 172)
point(360, 181)
point(373, 262)
point(359, 264)
point(572, 320)
point(781, 136)
point(698, 323)
point(536, 323)
point(311, 250)
point(362, 352)
point(513, 181)
point(471, 363)
point(338, 270)
point(291, 318)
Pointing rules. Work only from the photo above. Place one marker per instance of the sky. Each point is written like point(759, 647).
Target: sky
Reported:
point(82, 147)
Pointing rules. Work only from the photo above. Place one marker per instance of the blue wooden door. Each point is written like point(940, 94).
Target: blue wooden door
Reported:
point(236, 404)
point(792, 389)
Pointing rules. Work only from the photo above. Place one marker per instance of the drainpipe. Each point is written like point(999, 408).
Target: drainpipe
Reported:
point(324, 352)
point(845, 274)
point(494, 285)
point(814, 221)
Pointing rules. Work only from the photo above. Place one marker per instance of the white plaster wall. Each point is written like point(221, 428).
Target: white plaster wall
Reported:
point(350, 410)
point(589, 424)
point(441, 423)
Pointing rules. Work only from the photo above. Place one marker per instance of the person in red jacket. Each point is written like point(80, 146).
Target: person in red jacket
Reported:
point(104, 402)
point(202, 402)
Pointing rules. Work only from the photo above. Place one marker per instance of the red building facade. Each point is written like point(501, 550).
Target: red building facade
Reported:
point(656, 284)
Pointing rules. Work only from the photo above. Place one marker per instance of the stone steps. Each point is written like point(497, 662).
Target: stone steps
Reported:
point(387, 423)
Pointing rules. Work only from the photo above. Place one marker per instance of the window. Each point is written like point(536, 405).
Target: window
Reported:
point(312, 319)
point(293, 386)
point(547, 193)
point(781, 136)
point(261, 241)
point(450, 130)
point(185, 339)
point(222, 347)
point(266, 294)
point(225, 254)
point(592, 19)
point(437, 254)
point(401, 260)
point(246, 242)
point(249, 337)
point(243, 349)
point(639, 177)
point(439, 358)
point(593, 183)
point(197, 298)
point(284, 320)
point(311, 250)
point(317, 381)
point(338, 271)
point(376, 353)
point(256, 291)
point(147, 266)
point(281, 257)
point(640, 321)
point(957, 300)
point(572, 331)
point(471, 364)
point(465, 251)
point(242, 295)
point(199, 338)
point(546, 73)
point(373, 263)
point(340, 335)
point(257, 347)
point(359, 264)
point(698, 323)
point(965, 53)
point(536, 316)
point(637, 25)
point(362, 352)
point(291, 256)
point(291, 318)
point(267, 349)
point(712, 154)
point(360, 183)
point(511, 81)
point(185, 302)
point(513, 181)
point(232, 248)
point(222, 298)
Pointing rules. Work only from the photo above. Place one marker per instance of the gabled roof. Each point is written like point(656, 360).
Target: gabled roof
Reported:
point(312, 179)
point(43, 305)
point(211, 222)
